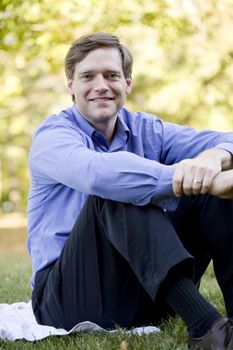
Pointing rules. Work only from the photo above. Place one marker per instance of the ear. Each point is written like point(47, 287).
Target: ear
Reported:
point(128, 87)
point(70, 87)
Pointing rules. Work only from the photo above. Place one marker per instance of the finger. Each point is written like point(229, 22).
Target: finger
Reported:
point(197, 182)
point(207, 182)
point(196, 186)
point(188, 182)
point(177, 181)
point(193, 175)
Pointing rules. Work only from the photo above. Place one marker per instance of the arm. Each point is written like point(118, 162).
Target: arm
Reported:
point(195, 176)
point(60, 155)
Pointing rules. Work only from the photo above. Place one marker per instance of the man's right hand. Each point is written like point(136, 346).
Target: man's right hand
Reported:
point(222, 185)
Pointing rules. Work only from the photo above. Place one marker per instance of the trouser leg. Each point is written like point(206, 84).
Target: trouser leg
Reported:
point(111, 267)
point(205, 226)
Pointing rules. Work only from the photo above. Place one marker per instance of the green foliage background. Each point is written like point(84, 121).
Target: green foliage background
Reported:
point(183, 71)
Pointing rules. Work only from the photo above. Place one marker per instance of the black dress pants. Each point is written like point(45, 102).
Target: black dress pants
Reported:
point(111, 267)
point(117, 256)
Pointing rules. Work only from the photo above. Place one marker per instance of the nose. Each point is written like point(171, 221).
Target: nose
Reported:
point(100, 84)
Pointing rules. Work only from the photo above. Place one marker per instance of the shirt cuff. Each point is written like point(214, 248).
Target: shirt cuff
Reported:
point(227, 146)
point(163, 195)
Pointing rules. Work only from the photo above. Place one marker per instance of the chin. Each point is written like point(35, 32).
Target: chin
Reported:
point(104, 116)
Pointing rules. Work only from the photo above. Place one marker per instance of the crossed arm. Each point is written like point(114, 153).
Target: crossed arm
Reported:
point(210, 172)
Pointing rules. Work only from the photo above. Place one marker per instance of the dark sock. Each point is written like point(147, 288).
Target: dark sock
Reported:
point(196, 312)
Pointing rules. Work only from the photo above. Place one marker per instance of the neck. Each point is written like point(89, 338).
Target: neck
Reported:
point(107, 130)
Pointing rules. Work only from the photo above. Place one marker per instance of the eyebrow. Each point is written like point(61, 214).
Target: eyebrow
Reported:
point(86, 72)
point(93, 71)
point(113, 71)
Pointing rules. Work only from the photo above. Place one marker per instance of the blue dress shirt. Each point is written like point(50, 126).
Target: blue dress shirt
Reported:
point(70, 160)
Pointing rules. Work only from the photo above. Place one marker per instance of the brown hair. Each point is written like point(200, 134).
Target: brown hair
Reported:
point(81, 47)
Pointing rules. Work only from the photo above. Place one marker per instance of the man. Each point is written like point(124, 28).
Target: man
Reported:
point(125, 210)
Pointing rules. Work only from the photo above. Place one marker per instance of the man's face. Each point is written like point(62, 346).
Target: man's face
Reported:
point(99, 86)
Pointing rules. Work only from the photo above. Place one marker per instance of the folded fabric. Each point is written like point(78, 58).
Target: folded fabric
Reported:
point(17, 321)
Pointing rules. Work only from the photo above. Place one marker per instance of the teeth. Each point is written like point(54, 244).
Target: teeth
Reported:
point(101, 99)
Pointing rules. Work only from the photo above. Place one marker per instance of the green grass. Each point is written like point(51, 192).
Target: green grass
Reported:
point(14, 286)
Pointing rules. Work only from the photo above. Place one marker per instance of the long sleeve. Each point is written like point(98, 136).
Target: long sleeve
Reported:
point(60, 155)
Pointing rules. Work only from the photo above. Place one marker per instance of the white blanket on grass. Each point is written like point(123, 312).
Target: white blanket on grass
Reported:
point(17, 321)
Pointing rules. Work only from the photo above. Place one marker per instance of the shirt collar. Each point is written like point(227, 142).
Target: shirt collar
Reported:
point(82, 122)
point(122, 126)
point(88, 129)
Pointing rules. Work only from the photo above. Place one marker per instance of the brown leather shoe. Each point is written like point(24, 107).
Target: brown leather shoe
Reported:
point(219, 337)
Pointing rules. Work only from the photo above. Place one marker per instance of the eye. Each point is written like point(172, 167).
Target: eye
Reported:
point(112, 76)
point(87, 76)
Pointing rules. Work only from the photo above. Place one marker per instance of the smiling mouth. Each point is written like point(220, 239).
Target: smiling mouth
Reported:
point(101, 99)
